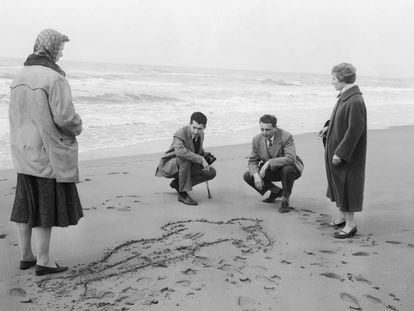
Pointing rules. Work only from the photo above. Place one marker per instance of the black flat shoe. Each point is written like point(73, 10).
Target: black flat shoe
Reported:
point(42, 270)
point(26, 264)
point(343, 235)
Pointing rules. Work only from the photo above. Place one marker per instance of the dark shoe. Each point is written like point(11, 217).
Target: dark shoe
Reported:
point(186, 199)
point(42, 270)
point(26, 264)
point(174, 184)
point(344, 235)
point(284, 208)
point(332, 223)
point(273, 196)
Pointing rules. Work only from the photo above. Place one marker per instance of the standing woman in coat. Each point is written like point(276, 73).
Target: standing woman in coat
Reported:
point(345, 149)
point(43, 130)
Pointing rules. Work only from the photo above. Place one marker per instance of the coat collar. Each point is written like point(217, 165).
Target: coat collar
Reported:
point(349, 93)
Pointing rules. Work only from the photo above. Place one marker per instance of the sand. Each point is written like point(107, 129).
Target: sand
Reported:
point(138, 248)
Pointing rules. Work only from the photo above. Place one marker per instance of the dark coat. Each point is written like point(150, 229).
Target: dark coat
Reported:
point(347, 138)
point(181, 147)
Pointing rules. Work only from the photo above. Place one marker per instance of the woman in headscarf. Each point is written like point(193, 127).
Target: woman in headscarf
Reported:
point(43, 130)
point(345, 149)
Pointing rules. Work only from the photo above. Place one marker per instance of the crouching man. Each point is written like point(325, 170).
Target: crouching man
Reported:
point(185, 161)
point(273, 158)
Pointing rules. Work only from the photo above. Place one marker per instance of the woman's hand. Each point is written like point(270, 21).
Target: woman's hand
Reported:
point(323, 132)
point(336, 160)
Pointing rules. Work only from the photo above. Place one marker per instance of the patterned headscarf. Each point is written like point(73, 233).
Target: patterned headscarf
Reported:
point(48, 43)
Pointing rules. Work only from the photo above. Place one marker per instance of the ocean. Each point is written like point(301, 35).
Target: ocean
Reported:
point(123, 105)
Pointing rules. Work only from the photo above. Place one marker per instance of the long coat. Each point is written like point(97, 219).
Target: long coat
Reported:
point(347, 138)
point(181, 147)
point(43, 125)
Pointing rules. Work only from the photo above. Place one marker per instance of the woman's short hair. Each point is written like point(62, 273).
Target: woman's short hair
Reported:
point(268, 118)
point(344, 72)
point(199, 117)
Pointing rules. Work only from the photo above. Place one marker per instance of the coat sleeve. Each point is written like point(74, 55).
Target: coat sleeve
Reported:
point(355, 128)
point(288, 155)
point(62, 109)
point(254, 158)
point(181, 151)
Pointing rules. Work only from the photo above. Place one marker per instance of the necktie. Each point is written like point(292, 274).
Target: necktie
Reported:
point(270, 142)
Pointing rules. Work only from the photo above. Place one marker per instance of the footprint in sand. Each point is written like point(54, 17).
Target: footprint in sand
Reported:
point(267, 282)
point(360, 254)
point(259, 269)
point(393, 242)
point(332, 275)
point(352, 300)
point(204, 261)
point(363, 280)
point(184, 283)
point(122, 203)
point(373, 299)
point(327, 252)
point(105, 294)
point(17, 292)
point(246, 303)
point(124, 209)
point(189, 271)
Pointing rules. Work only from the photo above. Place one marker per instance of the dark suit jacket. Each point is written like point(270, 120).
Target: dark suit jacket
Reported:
point(281, 153)
point(182, 147)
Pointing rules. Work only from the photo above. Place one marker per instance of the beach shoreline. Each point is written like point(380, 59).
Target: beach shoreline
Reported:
point(232, 252)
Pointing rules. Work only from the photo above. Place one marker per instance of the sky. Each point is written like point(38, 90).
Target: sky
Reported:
point(377, 36)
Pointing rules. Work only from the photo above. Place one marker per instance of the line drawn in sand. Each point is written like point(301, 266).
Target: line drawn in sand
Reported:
point(116, 278)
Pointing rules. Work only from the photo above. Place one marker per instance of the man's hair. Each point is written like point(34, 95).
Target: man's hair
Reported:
point(269, 118)
point(199, 117)
point(344, 72)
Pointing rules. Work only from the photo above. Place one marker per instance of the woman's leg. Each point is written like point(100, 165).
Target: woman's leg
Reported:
point(340, 219)
point(43, 244)
point(25, 241)
point(350, 221)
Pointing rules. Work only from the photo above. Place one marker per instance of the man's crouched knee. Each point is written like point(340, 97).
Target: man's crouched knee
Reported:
point(211, 173)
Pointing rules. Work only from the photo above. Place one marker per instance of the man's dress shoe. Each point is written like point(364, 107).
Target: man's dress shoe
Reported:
point(186, 199)
point(284, 208)
point(273, 196)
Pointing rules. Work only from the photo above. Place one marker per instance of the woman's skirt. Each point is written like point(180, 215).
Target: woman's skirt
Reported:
point(43, 202)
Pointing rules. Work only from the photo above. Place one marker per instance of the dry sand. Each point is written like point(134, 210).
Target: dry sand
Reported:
point(138, 248)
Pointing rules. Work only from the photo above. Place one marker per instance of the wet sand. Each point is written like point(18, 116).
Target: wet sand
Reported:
point(138, 248)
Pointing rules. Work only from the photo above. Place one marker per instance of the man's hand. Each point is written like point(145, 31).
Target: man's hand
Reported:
point(206, 167)
point(258, 182)
point(336, 160)
point(263, 169)
point(323, 131)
